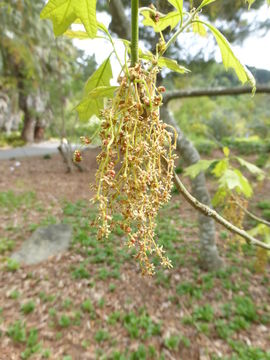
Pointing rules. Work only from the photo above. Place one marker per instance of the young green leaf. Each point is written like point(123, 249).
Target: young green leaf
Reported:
point(194, 170)
point(63, 13)
point(219, 197)
point(93, 102)
point(220, 168)
point(250, 2)
point(234, 179)
point(251, 167)
point(226, 151)
point(178, 4)
point(82, 35)
point(101, 77)
point(171, 19)
point(199, 28)
point(206, 2)
point(229, 59)
point(172, 65)
point(262, 230)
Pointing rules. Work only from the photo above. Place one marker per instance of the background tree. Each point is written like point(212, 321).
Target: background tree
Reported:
point(30, 68)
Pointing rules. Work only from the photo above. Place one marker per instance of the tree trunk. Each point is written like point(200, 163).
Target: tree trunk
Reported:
point(28, 131)
point(209, 257)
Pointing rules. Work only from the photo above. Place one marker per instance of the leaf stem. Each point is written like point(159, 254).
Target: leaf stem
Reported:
point(181, 29)
point(134, 32)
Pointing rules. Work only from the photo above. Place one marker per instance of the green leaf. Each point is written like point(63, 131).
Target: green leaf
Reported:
point(219, 197)
point(172, 65)
point(178, 4)
point(63, 13)
point(206, 2)
point(261, 230)
point(93, 102)
point(235, 180)
point(250, 2)
point(226, 151)
point(220, 168)
point(171, 19)
point(198, 28)
point(101, 77)
point(251, 167)
point(194, 170)
point(229, 59)
point(82, 35)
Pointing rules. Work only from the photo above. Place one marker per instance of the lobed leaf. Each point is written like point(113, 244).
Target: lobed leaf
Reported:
point(219, 197)
point(172, 65)
point(194, 170)
point(178, 4)
point(251, 167)
point(101, 77)
point(220, 168)
point(206, 2)
point(250, 2)
point(229, 59)
point(63, 13)
point(171, 19)
point(235, 180)
point(199, 28)
point(82, 35)
point(93, 102)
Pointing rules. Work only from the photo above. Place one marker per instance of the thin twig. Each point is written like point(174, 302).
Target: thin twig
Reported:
point(252, 216)
point(204, 209)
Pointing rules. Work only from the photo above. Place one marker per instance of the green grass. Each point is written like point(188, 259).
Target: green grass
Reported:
point(11, 201)
point(28, 307)
point(6, 245)
point(140, 326)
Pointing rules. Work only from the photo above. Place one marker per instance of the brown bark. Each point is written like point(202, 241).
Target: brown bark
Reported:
point(180, 94)
point(28, 128)
point(209, 257)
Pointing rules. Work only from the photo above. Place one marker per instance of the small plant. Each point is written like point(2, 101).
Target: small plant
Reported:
point(245, 307)
point(64, 321)
point(102, 335)
point(80, 272)
point(32, 344)
point(28, 307)
point(112, 287)
point(6, 245)
point(17, 332)
point(46, 354)
point(172, 342)
point(87, 306)
point(203, 313)
point(140, 326)
point(12, 265)
point(67, 303)
point(114, 317)
point(15, 294)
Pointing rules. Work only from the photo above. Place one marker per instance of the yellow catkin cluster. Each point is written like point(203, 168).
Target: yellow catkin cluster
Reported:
point(235, 214)
point(132, 179)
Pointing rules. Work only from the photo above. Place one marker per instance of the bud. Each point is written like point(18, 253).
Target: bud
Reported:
point(161, 89)
point(85, 140)
point(77, 156)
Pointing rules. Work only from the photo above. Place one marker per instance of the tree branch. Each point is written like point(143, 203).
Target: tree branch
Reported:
point(252, 216)
point(204, 209)
point(179, 94)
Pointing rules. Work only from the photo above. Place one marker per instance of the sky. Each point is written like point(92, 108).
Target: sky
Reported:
point(254, 51)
